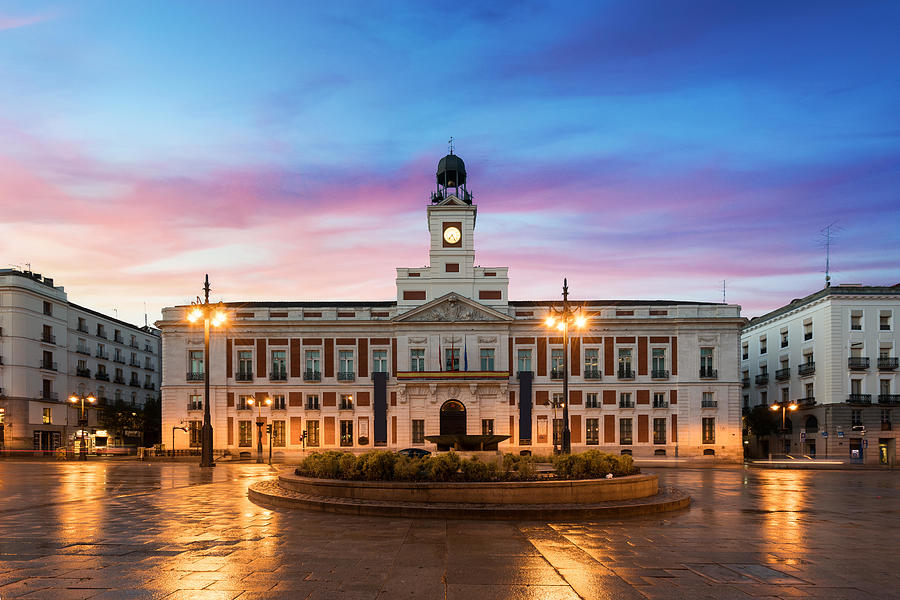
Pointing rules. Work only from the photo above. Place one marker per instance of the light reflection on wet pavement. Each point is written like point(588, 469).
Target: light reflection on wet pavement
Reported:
point(136, 530)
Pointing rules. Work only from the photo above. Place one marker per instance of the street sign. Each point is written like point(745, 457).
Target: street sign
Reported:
point(840, 434)
point(802, 435)
point(824, 434)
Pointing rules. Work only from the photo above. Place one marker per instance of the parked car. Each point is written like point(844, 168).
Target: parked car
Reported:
point(414, 452)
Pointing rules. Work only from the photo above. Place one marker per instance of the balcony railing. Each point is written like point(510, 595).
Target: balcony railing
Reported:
point(48, 338)
point(101, 334)
point(556, 374)
point(887, 363)
point(783, 374)
point(54, 396)
point(709, 404)
point(659, 374)
point(708, 373)
point(860, 363)
point(591, 373)
point(195, 376)
point(346, 375)
point(346, 405)
point(278, 375)
point(859, 399)
point(888, 398)
point(279, 404)
point(626, 403)
point(49, 365)
point(134, 383)
point(195, 405)
point(810, 401)
point(102, 355)
point(149, 367)
point(83, 372)
point(625, 374)
point(312, 406)
point(312, 376)
point(82, 329)
point(119, 380)
point(660, 404)
point(101, 376)
point(119, 359)
point(762, 379)
point(243, 376)
point(83, 350)
point(806, 368)
point(745, 382)
point(133, 344)
point(118, 338)
point(134, 363)
point(149, 386)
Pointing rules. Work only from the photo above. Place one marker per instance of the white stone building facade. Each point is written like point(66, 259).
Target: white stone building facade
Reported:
point(452, 351)
point(834, 353)
point(51, 348)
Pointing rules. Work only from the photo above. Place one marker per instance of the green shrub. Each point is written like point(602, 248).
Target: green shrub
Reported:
point(378, 465)
point(443, 467)
point(593, 464)
point(477, 470)
point(409, 469)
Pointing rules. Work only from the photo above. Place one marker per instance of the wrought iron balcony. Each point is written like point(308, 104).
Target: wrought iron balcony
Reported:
point(806, 368)
point(859, 399)
point(858, 363)
point(101, 376)
point(195, 376)
point(83, 372)
point(195, 405)
point(659, 374)
point(745, 382)
point(708, 373)
point(134, 363)
point(48, 338)
point(591, 373)
point(709, 404)
point(82, 329)
point(149, 367)
point(134, 383)
point(101, 334)
point(102, 355)
point(83, 350)
point(783, 374)
point(660, 404)
point(119, 359)
point(556, 374)
point(149, 386)
point(887, 363)
point(243, 376)
point(312, 376)
point(624, 374)
point(345, 405)
point(762, 379)
point(626, 403)
point(49, 365)
point(312, 405)
point(133, 344)
point(53, 396)
point(346, 375)
point(278, 375)
point(119, 380)
point(810, 401)
point(888, 398)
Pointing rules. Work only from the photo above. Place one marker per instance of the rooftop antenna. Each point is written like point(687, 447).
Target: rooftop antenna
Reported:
point(827, 235)
point(723, 292)
point(145, 314)
point(450, 143)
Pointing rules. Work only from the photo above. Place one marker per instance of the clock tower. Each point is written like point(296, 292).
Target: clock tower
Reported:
point(451, 223)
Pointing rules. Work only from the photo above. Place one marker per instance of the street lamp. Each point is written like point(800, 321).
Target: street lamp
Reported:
point(784, 406)
point(215, 314)
point(82, 422)
point(174, 427)
point(556, 404)
point(562, 319)
point(259, 424)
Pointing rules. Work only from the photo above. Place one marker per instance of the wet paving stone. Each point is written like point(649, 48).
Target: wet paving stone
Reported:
point(123, 530)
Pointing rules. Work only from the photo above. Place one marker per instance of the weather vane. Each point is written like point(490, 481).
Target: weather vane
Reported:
point(450, 142)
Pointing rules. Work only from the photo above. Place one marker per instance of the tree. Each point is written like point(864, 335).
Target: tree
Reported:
point(761, 421)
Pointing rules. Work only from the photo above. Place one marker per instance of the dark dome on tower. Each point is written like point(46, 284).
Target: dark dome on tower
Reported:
point(451, 172)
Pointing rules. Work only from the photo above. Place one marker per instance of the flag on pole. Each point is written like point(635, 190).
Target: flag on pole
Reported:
point(465, 354)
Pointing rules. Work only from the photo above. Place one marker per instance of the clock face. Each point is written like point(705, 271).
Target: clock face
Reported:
point(452, 235)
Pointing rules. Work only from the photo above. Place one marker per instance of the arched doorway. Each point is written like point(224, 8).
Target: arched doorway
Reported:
point(453, 418)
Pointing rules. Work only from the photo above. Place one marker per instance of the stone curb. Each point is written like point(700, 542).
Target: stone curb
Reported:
point(269, 493)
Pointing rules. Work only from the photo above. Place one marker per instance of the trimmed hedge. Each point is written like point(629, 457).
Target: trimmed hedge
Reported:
point(384, 465)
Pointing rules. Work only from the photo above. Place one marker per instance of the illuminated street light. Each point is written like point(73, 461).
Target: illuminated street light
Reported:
point(215, 314)
point(82, 422)
point(563, 319)
point(259, 424)
point(784, 406)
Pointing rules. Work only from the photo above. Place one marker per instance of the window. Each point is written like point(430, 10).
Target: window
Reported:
point(709, 430)
point(245, 364)
point(313, 366)
point(312, 433)
point(856, 386)
point(379, 361)
point(884, 386)
point(592, 432)
point(346, 433)
point(194, 433)
point(346, 402)
point(591, 363)
point(708, 400)
point(658, 362)
point(524, 360)
point(418, 431)
point(746, 401)
point(625, 362)
point(784, 338)
point(556, 362)
point(451, 359)
point(345, 364)
point(808, 358)
point(487, 427)
point(856, 320)
point(625, 400)
point(48, 308)
point(745, 351)
point(557, 431)
point(47, 334)
point(487, 359)
point(101, 331)
point(659, 400)
point(659, 431)
point(279, 365)
point(242, 403)
point(82, 325)
point(809, 391)
point(245, 433)
point(625, 432)
point(278, 402)
point(807, 331)
point(312, 402)
point(885, 416)
point(118, 395)
point(195, 402)
point(417, 359)
point(762, 345)
point(117, 336)
point(785, 394)
point(706, 363)
point(591, 400)
point(45, 417)
point(764, 398)
point(856, 417)
point(884, 320)
point(278, 433)
point(885, 351)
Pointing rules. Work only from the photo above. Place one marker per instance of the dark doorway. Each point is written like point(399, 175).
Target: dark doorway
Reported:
point(453, 419)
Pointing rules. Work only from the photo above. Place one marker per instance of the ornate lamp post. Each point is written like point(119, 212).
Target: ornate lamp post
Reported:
point(784, 405)
point(259, 425)
point(82, 422)
point(563, 319)
point(215, 314)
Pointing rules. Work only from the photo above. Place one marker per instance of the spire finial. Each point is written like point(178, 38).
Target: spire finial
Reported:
point(450, 143)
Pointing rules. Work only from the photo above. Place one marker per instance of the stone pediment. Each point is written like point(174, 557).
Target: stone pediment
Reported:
point(452, 308)
point(452, 200)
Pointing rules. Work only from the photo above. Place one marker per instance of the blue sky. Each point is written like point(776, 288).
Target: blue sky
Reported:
point(643, 149)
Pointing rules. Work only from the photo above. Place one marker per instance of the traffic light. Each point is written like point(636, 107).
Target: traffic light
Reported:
point(269, 429)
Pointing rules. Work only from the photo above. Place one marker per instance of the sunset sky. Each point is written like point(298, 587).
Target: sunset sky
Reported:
point(644, 150)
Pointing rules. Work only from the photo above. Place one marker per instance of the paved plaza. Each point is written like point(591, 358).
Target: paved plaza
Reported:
point(121, 530)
